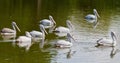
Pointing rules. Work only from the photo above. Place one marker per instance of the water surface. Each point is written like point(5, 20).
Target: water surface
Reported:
point(27, 15)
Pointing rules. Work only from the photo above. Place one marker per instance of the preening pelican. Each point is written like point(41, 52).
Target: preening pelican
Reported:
point(65, 43)
point(25, 41)
point(108, 42)
point(38, 34)
point(48, 23)
point(62, 31)
point(10, 32)
point(92, 18)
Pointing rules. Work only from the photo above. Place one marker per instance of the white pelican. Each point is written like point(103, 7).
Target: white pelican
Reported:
point(25, 41)
point(65, 43)
point(62, 31)
point(38, 34)
point(108, 42)
point(48, 23)
point(10, 32)
point(92, 18)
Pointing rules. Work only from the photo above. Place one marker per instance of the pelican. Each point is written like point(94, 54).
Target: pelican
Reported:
point(108, 42)
point(10, 32)
point(62, 31)
point(65, 43)
point(25, 41)
point(92, 18)
point(37, 34)
point(48, 23)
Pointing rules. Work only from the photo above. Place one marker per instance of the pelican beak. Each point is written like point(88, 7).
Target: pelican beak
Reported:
point(113, 35)
point(96, 13)
point(52, 29)
point(16, 26)
point(42, 28)
point(51, 18)
point(45, 31)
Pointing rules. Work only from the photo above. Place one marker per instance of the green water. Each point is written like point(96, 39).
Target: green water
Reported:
point(28, 13)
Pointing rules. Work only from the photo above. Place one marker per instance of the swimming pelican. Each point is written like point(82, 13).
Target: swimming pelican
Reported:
point(109, 42)
point(25, 41)
point(92, 18)
point(62, 31)
point(37, 34)
point(48, 23)
point(65, 43)
point(9, 32)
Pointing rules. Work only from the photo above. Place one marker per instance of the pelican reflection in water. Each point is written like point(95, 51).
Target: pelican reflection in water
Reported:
point(62, 31)
point(10, 32)
point(92, 18)
point(108, 42)
point(65, 43)
point(70, 53)
point(113, 52)
point(25, 41)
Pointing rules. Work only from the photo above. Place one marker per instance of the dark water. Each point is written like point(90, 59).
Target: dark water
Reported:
point(28, 13)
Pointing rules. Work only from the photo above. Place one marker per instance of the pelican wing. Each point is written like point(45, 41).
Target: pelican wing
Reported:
point(46, 22)
point(7, 30)
point(63, 42)
point(62, 29)
point(90, 18)
point(36, 34)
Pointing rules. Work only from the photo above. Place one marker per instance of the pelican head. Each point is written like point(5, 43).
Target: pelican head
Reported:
point(28, 34)
point(96, 13)
point(42, 28)
point(69, 24)
point(99, 43)
point(69, 37)
point(51, 19)
point(15, 25)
